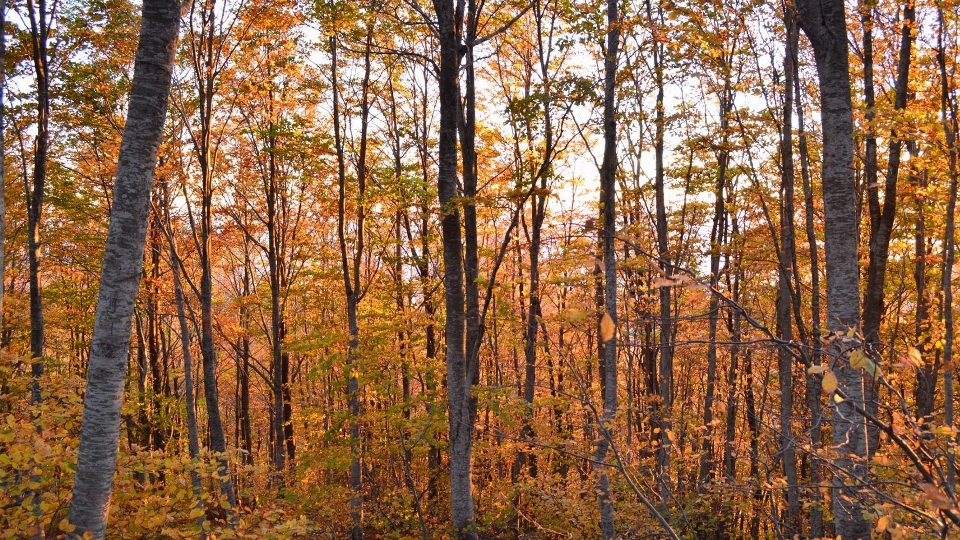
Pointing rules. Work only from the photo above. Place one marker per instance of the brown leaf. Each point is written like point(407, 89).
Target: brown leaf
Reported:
point(658, 282)
point(607, 327)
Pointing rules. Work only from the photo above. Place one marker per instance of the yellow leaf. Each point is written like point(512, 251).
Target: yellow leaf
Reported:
point(914, 357)
point(884, 523)
point(813, 370)
point(829, 382)
point(574, 315)
point(607, 327)
point(66, 526)
point(856, 359)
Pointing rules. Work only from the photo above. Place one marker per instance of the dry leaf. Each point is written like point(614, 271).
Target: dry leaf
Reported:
point(607, 328)
point(858, 360)
point(658, 282)
point(914, 357)
point(813, 370)
point(829, 382)
point(936, 497)
point(884, 523)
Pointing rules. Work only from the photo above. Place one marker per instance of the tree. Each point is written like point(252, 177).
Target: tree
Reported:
point(40, 19)
point(121, 272)
point(824, 24)
point(350, 264)
point(3, 155)
point(608, 219)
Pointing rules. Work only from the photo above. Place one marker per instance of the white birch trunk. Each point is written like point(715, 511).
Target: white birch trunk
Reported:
point(122, 265)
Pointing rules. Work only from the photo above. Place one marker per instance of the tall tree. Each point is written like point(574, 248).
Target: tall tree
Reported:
point(208, 57)
point(813, 393)
point(40, 18)
point(350, 264)
point(787, 258)
point(665, 368)
point(882, 215)
point(608, 216)
point(120, 278)
point(3, 156)
point(951, 126)
point(449, 25)
point(824, 24)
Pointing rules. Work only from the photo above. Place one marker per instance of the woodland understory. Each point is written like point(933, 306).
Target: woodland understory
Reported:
point(512, 269)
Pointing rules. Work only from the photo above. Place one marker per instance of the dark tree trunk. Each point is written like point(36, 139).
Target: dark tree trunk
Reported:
point(244, 433)
point(787, 269)
point(40, 19)
point(882, 216)
point(350, 267)
point(203, 52)
point(951, 125)
point(3, 154)
point(718, 235)
point(813, 392)
point(608, 319)
point(926, 373)
point(665, 371)
point(193, 437)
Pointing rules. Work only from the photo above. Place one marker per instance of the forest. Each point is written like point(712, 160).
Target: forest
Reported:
point(478, 269)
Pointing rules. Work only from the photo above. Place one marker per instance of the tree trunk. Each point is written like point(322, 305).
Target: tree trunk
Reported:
point(538, 215)
point(193, 437)
point(350, 267)
point(882, 218)
point(824, 24)
point(665, 371)
point(948, 115)
point(926, 373)
point(787, 269)
point(243, 363)
point(718, 235)
point(39, 33)
point(449, 21)
point(204, 57)
point(120, 278)
point(608, 320)
point(3, 154)
point(812, 383)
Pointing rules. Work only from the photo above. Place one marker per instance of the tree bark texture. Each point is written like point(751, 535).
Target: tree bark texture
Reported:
point(458, 381)
point(122, 265)
point(824, 24)
point(608, 187)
